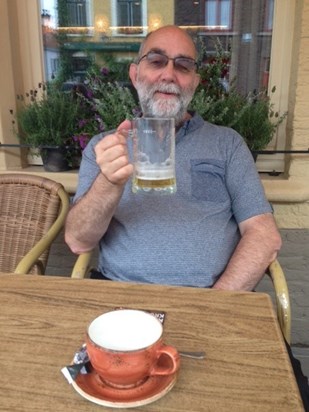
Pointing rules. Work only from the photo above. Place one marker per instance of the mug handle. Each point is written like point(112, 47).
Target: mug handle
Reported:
point(168, 367)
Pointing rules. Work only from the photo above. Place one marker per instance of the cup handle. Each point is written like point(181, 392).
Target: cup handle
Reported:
point(167, 367)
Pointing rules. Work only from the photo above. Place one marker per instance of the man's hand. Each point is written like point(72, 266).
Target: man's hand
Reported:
point(112, 155)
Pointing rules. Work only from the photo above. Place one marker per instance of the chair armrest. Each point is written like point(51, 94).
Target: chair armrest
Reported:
point(282, 298)
point(32, 256)
point(81, 266)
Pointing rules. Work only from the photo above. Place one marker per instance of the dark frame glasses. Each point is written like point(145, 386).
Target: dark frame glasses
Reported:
point(158, 61)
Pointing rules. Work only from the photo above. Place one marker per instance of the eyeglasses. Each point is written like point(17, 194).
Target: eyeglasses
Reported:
point(158, 61)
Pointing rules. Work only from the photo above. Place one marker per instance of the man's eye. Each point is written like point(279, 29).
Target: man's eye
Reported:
point(182, 67)
point(156, 62)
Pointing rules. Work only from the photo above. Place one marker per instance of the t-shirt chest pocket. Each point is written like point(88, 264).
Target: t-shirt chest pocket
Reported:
point(208, 180)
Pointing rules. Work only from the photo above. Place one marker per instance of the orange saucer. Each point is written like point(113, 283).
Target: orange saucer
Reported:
point(91, 387)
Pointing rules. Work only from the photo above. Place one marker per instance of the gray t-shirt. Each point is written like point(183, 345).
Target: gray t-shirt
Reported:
point(186, 238)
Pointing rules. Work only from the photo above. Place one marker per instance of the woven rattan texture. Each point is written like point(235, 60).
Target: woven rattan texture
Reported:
point(28, 207)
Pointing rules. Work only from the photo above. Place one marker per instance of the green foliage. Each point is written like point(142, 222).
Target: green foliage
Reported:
point(115, 104)
point(212, 72)
point(256, 121)
point(66, 59)
point(252, 116)
point(47, 118)
point(108, 100)
point(113, 70)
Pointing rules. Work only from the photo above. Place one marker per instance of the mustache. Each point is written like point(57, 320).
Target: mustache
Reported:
point(166, 88)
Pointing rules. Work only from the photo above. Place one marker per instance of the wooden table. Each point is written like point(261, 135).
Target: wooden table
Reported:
point(43, 322)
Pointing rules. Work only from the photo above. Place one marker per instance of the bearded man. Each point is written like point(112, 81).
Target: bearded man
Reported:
point(216, 231)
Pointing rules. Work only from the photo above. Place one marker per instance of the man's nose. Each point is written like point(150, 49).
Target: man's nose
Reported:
point(169, 70)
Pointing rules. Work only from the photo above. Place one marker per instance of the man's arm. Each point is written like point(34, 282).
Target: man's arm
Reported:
point(258, 247)
point(90, 216)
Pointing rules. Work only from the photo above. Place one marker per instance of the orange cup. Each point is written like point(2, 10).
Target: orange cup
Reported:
point(125, 348)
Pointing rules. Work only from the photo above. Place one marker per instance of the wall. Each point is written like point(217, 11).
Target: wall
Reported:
point(290, 214)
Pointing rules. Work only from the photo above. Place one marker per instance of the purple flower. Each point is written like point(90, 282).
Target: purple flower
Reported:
point(104, 71)
point(82, 123)
point(83, 140)
point(89, 94)
point(137, 112)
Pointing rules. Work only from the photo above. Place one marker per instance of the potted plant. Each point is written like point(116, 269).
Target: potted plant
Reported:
point(47, 118)
point(110, 101)
point(252, 115)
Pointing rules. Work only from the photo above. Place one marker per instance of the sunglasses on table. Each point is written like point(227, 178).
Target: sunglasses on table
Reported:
point(158, 61)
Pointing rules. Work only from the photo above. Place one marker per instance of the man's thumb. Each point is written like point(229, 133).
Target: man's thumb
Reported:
point(126, 125)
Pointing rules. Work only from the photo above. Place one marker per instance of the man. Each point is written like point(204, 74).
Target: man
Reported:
point(216, 231)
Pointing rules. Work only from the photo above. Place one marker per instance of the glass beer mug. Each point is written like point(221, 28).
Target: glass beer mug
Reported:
point(154, 155)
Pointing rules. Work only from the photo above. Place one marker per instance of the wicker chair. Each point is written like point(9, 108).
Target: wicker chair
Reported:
point(275, 272)
point(32, 213)
point(82, 266)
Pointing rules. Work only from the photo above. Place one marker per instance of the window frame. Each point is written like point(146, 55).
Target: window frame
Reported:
point(269, 15)
point(77, 13)
point(114, 19)
point(218, 25)
point(280, 77)
point(86, 30)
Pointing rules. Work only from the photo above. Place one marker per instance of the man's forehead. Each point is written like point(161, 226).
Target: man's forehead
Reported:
point(167, 41)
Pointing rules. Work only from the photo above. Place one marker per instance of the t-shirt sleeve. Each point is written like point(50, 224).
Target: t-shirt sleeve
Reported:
point(244, 184)
point(88, 170)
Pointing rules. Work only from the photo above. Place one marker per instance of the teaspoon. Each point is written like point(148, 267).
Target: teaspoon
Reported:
point(193, 355)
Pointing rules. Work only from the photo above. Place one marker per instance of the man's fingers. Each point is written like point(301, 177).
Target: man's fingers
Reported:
point(111, 141)
point(124, 127)
point(120, 175)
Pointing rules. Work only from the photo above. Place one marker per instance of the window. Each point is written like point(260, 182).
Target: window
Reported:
point(129, 17)
point(259, 37)
point(129, 13)
point(218, 14)
point(54, 65)
point(244, 28)
point(239, 27)
point(269, 15)
point(77, 13)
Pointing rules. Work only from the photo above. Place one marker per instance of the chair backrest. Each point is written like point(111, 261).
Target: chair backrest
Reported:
point(32, 213)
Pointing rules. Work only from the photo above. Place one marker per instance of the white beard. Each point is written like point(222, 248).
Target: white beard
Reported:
point(175, 106)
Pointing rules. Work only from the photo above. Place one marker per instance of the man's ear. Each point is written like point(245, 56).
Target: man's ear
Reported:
point(133, 73)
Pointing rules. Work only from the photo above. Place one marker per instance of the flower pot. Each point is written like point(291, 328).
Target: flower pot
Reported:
point(34, 157)
point(55, 159)
point(254, 155)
